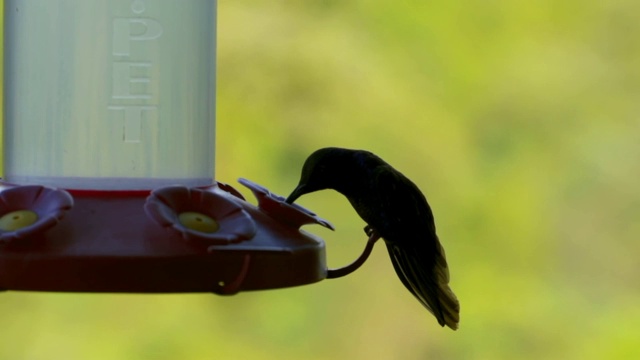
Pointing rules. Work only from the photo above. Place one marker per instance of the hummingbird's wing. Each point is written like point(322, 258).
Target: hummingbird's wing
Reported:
point(415, 251)
point(436, 296)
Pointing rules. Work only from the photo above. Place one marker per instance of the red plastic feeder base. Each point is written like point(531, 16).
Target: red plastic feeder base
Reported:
point(140, 242)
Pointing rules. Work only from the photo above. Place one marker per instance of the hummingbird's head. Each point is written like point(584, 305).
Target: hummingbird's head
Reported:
point(327, 168)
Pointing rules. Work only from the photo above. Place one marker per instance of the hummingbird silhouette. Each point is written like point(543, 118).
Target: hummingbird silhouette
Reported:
point(395, 210)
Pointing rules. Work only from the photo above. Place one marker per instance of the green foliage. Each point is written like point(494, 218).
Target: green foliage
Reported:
point(518, 119)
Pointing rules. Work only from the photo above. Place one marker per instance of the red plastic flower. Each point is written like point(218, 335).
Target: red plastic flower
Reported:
point(30, 209)
point(200, 215)
point(275, 206)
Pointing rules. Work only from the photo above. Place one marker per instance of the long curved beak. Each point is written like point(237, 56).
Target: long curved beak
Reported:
point(297, 192)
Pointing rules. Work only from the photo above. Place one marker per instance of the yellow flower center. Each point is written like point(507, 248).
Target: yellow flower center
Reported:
point(198, 222)
point(17, 220)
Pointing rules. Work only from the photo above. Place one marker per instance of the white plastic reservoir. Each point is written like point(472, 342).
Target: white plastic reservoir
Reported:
point(109, 94)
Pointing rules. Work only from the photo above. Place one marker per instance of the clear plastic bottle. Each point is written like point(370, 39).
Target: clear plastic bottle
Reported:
point(110, 94)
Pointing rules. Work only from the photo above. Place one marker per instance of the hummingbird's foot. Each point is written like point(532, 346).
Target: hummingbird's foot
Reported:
point(371, 233)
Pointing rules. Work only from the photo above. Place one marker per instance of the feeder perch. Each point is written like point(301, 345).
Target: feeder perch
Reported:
point(108, 182)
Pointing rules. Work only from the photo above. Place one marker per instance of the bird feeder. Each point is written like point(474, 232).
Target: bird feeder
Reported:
point(108, 183)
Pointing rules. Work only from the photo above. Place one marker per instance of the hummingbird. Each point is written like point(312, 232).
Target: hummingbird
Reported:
point(394, 209)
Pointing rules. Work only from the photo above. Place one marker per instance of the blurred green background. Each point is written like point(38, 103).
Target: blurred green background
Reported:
point(520, 121)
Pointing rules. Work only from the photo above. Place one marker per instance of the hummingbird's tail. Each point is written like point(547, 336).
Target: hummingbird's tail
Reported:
point(429, 284)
